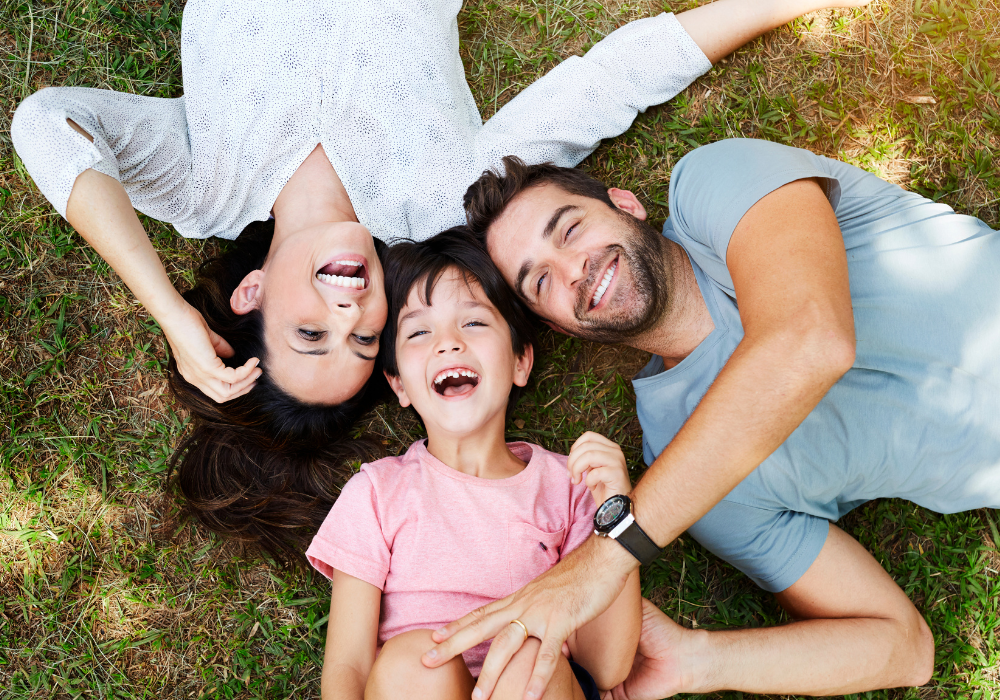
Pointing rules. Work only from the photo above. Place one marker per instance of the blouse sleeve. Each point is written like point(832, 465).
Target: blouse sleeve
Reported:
point(564, 115)
point(140, 141)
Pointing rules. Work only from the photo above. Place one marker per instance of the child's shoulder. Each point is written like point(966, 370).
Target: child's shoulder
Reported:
point(393, 466)
point(530, 452)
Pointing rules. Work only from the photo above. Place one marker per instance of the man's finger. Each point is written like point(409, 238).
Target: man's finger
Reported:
point(502, 650)
point(475, 632)
point(545, 666)
point(451, 628)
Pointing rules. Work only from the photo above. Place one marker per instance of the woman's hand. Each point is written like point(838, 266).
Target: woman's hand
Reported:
point(199, 352)
point(601, 464)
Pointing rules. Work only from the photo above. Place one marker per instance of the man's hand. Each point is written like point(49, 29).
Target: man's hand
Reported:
point(601, 463)
point(665, 662)
point(560, 601)
point(199, 352)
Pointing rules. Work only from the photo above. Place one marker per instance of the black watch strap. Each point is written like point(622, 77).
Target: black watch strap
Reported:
point(638, 544)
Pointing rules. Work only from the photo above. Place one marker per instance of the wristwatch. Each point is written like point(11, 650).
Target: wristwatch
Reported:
point(614, 519)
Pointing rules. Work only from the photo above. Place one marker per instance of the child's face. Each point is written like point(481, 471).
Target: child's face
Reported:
point(455, 360)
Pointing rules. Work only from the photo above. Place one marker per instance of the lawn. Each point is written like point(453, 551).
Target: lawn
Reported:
point(106, 592)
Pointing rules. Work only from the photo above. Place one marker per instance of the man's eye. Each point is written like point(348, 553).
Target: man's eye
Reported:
point(538, 284)
point(311, 335)
point(568, 232)
point(366, 339)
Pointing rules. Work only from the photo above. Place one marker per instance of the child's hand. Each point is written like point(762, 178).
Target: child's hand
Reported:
point(601, 464)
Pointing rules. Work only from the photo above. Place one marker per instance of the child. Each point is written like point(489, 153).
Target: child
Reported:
point(463, 518)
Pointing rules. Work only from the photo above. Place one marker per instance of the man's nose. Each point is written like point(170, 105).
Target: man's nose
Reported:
point(574, 268)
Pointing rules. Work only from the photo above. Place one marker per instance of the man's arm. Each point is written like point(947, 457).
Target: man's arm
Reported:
point(789, 269)
point(856, 630)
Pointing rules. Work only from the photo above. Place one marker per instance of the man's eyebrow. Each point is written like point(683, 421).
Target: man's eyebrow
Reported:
point(554, 221)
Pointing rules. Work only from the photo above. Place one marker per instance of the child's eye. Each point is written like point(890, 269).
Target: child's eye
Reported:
point(414, 334)
point(475, 323)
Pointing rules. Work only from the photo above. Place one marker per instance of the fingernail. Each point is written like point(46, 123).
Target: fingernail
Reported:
point(532, 693)
point(477, 693)
point(256, 362)
point(441, 631)
point(432, 654)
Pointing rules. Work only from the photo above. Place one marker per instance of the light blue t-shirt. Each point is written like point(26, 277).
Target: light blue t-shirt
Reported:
point(918, 415)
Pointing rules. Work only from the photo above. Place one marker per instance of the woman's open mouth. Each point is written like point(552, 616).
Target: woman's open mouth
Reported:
point(456, 381)
point(348, 273)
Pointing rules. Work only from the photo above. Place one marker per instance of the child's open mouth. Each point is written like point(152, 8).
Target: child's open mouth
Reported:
point(349, 274)
point(456, 381)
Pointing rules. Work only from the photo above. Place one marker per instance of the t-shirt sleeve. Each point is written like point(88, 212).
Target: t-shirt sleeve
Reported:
point(713, 186)
point(351, 539)
point(773, 547)
point(582, 509)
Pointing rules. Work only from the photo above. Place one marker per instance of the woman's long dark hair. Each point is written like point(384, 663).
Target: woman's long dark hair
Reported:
point(264, 468)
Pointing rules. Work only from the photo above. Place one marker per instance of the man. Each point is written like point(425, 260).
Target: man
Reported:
point(820, 338)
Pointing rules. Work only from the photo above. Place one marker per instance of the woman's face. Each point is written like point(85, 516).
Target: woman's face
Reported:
point(322, 295)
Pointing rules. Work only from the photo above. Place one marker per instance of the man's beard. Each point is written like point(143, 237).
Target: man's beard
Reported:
point(642, 252)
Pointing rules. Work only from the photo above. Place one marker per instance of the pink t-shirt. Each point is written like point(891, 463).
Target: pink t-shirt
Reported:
point(440, 543)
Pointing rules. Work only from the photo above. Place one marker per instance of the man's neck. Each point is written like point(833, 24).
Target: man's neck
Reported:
point(313, 195)
point(686, 321)
point(483, 453)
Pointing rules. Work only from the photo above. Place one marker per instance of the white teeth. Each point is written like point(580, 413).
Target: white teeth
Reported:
point(337, 280)
point(454, 373)
point(603, 287)
point(352, 263)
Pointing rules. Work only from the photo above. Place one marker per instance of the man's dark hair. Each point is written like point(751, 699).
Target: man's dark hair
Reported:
point(488, 197)
point(420, 265)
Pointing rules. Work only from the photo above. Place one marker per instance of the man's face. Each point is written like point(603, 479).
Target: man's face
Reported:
point(595, 272)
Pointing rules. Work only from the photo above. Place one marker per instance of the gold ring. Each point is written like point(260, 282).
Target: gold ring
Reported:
point(518, 622)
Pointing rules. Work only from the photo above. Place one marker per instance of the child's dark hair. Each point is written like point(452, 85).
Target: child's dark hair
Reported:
point(408, 265)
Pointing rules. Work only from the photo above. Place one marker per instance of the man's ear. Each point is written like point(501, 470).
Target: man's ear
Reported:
point(626, 201)
point(557, 328)
point(397, 387)
point(246, 296)
point(522, 366)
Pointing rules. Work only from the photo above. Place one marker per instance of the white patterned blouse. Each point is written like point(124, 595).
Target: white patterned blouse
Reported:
point(379, 83)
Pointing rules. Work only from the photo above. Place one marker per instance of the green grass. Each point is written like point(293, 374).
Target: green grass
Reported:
point(105, 593)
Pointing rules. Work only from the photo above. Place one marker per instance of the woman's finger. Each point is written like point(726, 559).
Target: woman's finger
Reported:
point(222, 348)
point(502, 650)
point(232, 390)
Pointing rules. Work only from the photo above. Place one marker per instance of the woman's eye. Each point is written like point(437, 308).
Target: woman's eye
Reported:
point(366, 339)
point(538, 284)
point(311, 335)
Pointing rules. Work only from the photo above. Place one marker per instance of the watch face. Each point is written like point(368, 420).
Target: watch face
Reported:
point(610, 512)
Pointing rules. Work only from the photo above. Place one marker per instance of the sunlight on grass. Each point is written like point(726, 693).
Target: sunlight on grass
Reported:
point(106, 593)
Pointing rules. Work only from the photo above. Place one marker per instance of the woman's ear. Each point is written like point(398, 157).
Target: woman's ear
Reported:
point(626, 201)
point(246, 296)
point(397, 387)
point(522, 366)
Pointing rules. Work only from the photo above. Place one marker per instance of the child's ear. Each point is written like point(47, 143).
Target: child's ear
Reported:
point(522, 366)
point(397, 386)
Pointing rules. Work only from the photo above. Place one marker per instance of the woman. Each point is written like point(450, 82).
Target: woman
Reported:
point(343, 121)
